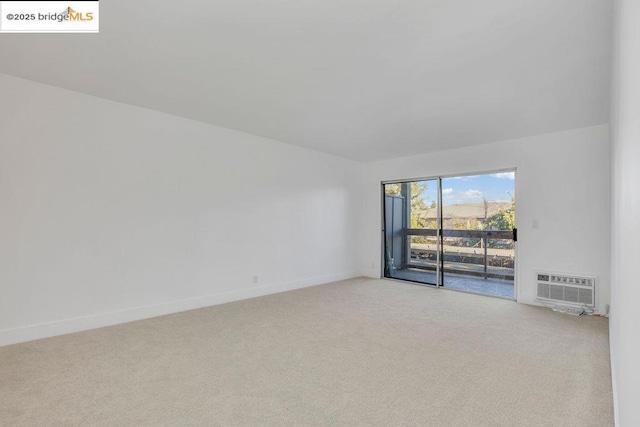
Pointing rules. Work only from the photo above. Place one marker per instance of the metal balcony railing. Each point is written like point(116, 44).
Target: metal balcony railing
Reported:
point(486, 253)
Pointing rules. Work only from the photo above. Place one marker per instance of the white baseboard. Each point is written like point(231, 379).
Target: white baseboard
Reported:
point(77, 324)
point(614, 385)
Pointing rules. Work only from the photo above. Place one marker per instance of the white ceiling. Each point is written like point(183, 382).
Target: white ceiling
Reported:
point(363, 79)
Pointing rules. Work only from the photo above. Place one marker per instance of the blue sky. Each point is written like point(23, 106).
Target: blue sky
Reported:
point(471, 189)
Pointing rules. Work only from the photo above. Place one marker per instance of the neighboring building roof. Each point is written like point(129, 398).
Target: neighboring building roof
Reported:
point(468, 210)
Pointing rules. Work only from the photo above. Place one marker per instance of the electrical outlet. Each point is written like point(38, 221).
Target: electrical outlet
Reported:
point(255, 279)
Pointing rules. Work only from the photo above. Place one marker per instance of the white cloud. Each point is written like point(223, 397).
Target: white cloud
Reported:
point(464, 177)
point(472, 194)
point(505, 175)
point(447, 191)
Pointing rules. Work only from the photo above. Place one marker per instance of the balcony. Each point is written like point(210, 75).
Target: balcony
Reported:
point(480, 261)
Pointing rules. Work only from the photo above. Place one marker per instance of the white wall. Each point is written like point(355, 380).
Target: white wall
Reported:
point(110, 213)
point(562, 181)
point(625, 282)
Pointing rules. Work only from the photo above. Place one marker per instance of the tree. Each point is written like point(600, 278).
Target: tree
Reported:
point(504, 219)
point(419, 205)
point(419, 201)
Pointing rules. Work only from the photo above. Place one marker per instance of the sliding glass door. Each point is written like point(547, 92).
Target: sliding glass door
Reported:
point(453, 232)
point(412, 242)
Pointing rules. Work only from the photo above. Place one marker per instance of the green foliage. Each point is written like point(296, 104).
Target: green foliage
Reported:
point(392, 189)
point(463, 224)
point(420, 204)
point(503, 220)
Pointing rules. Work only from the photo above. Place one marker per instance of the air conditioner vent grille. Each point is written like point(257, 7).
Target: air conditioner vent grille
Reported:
point(566, 288)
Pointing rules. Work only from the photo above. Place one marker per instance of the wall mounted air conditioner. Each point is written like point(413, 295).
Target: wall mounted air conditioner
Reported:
point(566, 289)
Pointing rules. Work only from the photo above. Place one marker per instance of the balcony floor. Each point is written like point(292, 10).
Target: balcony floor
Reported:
point(478, 285)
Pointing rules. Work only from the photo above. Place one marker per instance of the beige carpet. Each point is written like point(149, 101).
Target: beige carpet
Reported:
point(359, 352)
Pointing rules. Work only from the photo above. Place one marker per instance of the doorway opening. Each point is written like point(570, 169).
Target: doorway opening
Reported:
point(455, 232)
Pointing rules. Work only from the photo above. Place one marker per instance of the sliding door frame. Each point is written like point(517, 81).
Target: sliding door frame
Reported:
point(439, 231)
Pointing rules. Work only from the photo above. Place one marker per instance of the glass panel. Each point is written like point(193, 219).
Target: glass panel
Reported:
point(465, 244)
point(411, 229)
point(478, 216)
point(395, 223)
